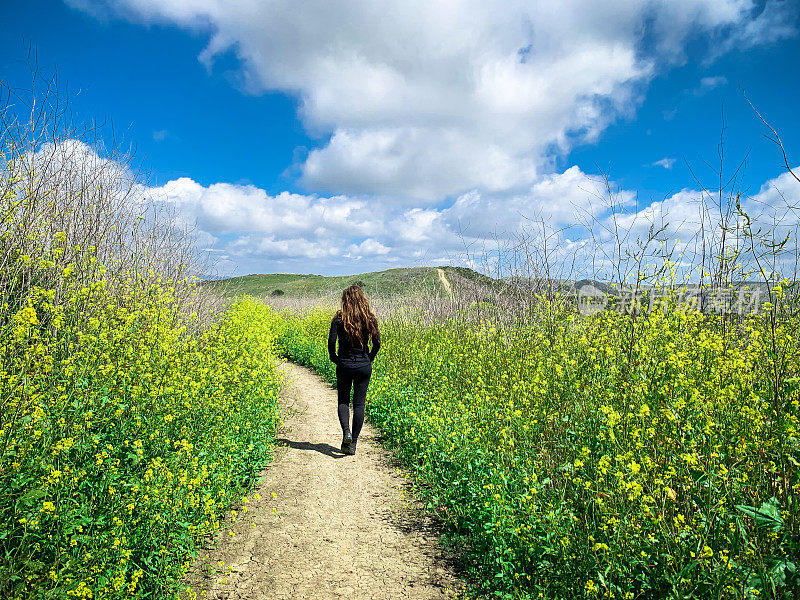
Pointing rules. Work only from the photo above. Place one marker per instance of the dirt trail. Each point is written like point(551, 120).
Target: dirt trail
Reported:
point(443, 278)
point(327, 525)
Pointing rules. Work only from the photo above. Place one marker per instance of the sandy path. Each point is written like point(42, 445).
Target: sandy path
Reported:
point(443, 278)
point(327, 525)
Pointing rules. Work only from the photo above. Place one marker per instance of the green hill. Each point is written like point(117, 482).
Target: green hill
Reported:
point(389, 283)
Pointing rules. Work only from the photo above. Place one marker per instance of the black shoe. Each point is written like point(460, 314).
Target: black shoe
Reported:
point(347, 442)
point(352, 450)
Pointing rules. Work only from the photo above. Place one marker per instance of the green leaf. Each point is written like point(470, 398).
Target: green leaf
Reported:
point(768, 515)
point(31, 497)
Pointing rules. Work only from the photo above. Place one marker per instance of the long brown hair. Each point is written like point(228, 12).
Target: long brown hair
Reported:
point(356, 315)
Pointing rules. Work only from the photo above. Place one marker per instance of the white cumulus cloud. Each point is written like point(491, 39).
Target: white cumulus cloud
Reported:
point(261, 232)
point(666, 163)
point(426, 100)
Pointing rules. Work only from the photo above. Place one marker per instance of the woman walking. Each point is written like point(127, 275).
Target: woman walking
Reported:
point(354, 326)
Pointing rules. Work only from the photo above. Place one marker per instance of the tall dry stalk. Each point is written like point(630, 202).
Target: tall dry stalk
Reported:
point(72, 200)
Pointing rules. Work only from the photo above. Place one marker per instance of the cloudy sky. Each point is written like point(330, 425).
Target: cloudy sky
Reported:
point(349, 136)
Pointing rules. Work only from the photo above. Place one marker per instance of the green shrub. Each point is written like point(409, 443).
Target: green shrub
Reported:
point(124, 439)
point(601, 456)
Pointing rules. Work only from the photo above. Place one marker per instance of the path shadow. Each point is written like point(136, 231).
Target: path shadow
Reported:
point(325, 449)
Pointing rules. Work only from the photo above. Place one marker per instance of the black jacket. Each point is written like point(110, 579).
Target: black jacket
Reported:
point(351, 356)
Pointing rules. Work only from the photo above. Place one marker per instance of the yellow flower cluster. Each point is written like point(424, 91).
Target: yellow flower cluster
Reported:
point(124, 437)
point(602, 456)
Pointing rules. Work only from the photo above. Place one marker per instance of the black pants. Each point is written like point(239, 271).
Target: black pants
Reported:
point(358, 379)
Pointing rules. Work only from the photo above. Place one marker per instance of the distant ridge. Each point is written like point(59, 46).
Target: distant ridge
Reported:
point(389, 283)
point(459, 284)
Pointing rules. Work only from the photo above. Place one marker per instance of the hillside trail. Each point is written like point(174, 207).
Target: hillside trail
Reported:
point(443, 278)
point(327, 525)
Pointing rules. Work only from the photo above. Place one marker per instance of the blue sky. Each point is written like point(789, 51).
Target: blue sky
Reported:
point(303, 138)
